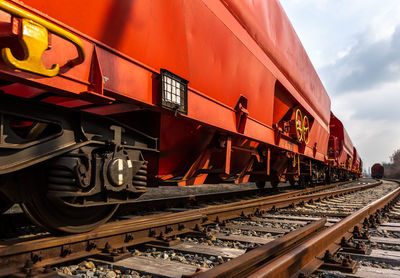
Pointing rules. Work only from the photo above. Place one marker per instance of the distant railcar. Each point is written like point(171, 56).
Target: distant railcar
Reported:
point(150, 92)
point(377, 171)
point(343, 156)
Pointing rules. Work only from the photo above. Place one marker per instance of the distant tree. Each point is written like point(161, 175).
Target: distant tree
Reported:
point(395, 158)
point(392, 169)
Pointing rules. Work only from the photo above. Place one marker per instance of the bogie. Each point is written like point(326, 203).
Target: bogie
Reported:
point(70, 170)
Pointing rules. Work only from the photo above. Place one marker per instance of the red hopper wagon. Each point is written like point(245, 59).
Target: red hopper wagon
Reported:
point(344, 159)
point(100, 99)
point(377, 171)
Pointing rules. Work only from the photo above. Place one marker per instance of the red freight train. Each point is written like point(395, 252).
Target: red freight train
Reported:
point(103, 98)
point(341, 152)
point(377, 171)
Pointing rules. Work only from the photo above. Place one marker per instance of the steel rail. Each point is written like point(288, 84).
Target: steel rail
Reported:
point(306, 258)
point(48, 250)
point(20, 220)
point(225, 212)
point(249, 261)
point(173, 201)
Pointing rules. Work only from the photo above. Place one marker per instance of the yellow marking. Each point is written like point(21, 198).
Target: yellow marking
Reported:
point(34, 41)
point(306, 130)
point(299, 125)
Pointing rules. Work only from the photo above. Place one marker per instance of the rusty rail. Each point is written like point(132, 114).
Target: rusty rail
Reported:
point(174, 201)
point(115, 236)
point(249, 261)
point(228, 211)
point(300, 260)
point(308, 257)
point(18, 220)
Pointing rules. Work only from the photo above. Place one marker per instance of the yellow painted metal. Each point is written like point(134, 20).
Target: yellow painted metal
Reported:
point(34, 41)
point(306, 130)
point(299, 125)
point(34, 37)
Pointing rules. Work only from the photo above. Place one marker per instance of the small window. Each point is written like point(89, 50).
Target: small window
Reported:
point(173, 92)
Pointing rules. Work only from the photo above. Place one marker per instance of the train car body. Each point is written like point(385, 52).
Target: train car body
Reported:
point(377, 171)
point(342, 154)
point(143, 92)
point(357, 162)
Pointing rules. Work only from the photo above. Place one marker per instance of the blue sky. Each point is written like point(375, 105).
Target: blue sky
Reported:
point(355, 48)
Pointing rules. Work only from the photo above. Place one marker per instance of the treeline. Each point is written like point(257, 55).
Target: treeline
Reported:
point(392, 169)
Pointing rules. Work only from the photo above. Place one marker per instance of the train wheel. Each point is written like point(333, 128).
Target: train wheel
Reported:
point(328, 179)
point(274, 179)
point(60, 218)
point(303, 182)
point(274, 183)
point(5, 203)
point(260, 184)
point(63, 219)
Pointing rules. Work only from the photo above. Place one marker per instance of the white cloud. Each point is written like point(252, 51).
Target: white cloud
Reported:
point(372, 120)
point(344, 53)
point(367, 64)
point(355, 47)
point(331, 26)
point(382, 25)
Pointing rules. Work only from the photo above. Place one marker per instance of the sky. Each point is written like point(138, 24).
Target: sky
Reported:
point(355, 48)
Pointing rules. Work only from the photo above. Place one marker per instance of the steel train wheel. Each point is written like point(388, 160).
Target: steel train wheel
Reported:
point(275, 183)
point(303, 182)
point(60, 218)
point(260, 184)
point(275, 180)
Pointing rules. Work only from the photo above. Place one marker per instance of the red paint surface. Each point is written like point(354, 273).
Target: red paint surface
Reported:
point(345, 148)
point(224, 48)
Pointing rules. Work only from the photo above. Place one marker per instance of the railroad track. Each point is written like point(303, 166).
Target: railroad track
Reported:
point(178, 237)
point(17, 224)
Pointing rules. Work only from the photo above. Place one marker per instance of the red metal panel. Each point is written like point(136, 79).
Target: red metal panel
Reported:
point(348, 144)
point(345, 146)
point(356, 161)
point(151, 30)
point(187, 38)
point(201, 41)
point(164, 43)
point(268, 24)
point(178, 150)
point(222, 67)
